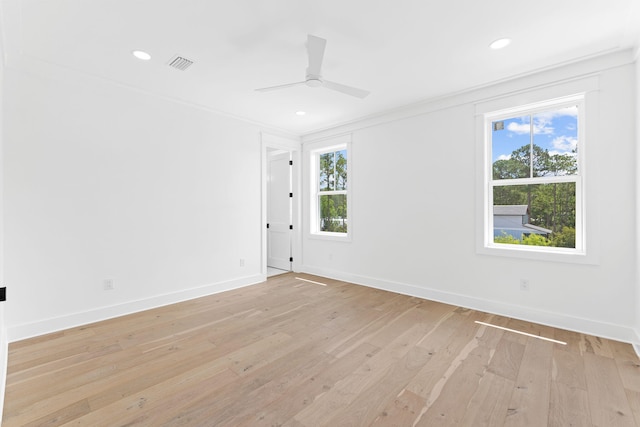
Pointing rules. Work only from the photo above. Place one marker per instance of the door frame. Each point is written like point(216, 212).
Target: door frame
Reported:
point(294, 146)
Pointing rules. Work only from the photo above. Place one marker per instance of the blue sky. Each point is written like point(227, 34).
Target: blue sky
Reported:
point(556, 131)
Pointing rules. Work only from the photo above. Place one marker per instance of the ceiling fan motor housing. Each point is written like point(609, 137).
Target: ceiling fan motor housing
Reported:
point(313, 81)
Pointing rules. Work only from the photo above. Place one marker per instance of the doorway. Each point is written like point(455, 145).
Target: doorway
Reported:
point(281, 193)
point(279, 211)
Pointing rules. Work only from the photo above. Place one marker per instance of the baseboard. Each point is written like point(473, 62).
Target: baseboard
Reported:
point(556, 320)
point(20, 332)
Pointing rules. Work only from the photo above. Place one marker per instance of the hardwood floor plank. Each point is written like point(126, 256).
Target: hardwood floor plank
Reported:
point(634, 401)
point(529, 405)
point(569, 401)
point(445, 340)
point(506, 361)
point(62, 416)
point(607, 397)
point(346, 390)
point(572, 339)
point(401, 411)
point(322, 380)
point(109, 382)
point(628, 365)
point(307, 364)
point(569, 406)
point(489, 404)
point(141, 408)
point(370, 404)
point(290, 352)
point(568, 368)
point(595, 345)
point(460, 382)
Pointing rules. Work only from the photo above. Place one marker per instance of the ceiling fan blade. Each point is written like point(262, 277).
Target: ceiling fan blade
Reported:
point(315, 48)
point(353, 91)
point(270, 88)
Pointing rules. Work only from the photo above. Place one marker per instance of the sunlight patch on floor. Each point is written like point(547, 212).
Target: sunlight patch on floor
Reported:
point(521, 333)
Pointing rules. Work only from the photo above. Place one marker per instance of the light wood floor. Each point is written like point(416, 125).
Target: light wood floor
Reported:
point(293, 353)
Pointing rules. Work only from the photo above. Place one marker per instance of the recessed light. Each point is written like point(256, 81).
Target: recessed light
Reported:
point(141, 54)
point(301, 113)
point(500, 43)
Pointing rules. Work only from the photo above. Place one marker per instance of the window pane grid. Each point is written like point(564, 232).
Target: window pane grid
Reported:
point(331, 196)
point(534, 184)
point(537, 180)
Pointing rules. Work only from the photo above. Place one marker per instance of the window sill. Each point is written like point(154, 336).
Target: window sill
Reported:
point(336, 237)
point(528, 252)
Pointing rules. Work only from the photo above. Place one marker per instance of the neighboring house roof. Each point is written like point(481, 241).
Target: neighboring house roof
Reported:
point(510, 209)
point(514, 218)
point(540, 229)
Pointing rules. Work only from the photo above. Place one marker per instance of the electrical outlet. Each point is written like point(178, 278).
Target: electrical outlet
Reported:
point(241, 262)
point(108, 284)
point(524, 284)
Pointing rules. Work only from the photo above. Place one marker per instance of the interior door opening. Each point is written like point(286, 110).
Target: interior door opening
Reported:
point(279, 211)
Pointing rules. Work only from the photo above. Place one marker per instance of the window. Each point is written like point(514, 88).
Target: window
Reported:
point(329, 189)
point(534, 175)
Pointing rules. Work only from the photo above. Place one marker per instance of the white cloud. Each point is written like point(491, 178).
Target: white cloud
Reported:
point(504, 157)
point(543, 122)
point(519, 128)
point(540, 127)
point(550, 115)
point(564, 144)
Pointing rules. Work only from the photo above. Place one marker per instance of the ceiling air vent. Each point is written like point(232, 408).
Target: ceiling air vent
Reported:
point(180, 63)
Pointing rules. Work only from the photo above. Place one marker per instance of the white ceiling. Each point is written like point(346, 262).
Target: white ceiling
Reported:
point(403, 51)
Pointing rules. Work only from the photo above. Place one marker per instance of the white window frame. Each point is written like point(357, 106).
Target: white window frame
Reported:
point(329, 146)
point(582, 92)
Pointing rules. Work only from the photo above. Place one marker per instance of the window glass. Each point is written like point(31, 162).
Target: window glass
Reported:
point(333, 213)
point(535, 214)
point(534, 176)
point(510, 142)
point(331, 191)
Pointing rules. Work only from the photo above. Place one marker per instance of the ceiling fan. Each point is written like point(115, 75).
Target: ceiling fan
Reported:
point(315, 49)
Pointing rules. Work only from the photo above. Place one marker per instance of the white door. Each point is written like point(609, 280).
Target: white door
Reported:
point(279, 211)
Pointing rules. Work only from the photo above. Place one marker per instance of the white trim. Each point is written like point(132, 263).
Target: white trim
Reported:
point(562, 92)
point(45, 326)
point(320, 143)
point(548, 318)
point(576, 70)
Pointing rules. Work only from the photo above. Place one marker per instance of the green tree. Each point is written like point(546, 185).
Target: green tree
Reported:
point(333, 177)
point(565, 238)
point(552, 205)
point(341, 171)
point(506, 238)
point(333, 213)
point(535, 240)
point(327, 169)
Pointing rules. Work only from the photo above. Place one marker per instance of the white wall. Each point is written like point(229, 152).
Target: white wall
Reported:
point(413, 222)
point(637, 87)
point(103, 182)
